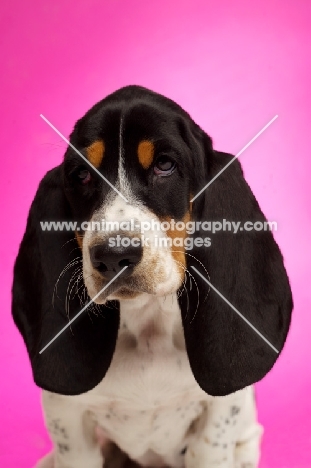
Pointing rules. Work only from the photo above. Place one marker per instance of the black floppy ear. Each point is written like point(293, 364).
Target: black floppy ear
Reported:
point(225, 353)
point(79, 358)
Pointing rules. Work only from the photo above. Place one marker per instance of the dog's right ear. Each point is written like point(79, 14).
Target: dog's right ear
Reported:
point(48, 265)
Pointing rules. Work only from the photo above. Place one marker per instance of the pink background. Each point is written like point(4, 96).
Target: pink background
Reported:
point(233, 65)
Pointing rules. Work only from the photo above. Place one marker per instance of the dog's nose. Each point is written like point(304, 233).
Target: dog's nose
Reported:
point(108, 261)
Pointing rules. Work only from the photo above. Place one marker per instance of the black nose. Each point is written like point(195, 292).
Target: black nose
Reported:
point(110, 260)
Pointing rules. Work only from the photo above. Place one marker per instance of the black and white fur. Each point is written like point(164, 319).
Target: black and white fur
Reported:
point(161, 364)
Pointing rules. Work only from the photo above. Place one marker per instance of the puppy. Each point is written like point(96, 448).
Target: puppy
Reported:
point(176, 323)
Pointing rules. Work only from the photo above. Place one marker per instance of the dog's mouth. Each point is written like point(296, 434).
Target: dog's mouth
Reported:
point(127, 288)
point(124, 293)
point(102, 290)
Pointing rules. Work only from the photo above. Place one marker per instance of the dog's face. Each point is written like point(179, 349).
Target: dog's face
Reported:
point(140, 146)
point(141, 160)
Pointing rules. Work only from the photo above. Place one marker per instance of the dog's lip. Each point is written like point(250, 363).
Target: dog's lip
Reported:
point(124, 293)
point(122, 285)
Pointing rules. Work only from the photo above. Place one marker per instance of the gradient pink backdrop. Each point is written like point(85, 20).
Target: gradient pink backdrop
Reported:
point(233, 65)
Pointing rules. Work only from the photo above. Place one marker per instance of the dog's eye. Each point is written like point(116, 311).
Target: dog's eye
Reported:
point(84, 176)
point(164, 166)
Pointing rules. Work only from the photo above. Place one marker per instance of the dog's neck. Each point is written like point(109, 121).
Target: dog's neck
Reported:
point(151, 322)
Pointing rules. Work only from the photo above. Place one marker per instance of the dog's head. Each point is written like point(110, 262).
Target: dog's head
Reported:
point(152, 153)
point(136, 162)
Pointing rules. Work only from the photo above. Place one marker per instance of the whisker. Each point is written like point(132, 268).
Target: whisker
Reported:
point(76, 274)
point(76, 248)
point(69, 265)
point(67, 242)
point(184, 286)
point(191, 277)
point(195, 258)
point(198, 295)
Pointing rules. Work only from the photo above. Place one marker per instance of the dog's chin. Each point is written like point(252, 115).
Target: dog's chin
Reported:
point(124, 293)
point(128, 293)
point(128, 290)
point(118, 290)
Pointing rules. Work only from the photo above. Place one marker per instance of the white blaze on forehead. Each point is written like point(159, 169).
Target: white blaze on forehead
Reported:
point(123, 182)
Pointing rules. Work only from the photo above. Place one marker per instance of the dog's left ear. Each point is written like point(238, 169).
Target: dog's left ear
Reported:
point(226, 354)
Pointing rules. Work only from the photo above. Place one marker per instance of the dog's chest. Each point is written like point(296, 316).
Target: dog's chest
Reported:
point(149, 393)
point(150, 366)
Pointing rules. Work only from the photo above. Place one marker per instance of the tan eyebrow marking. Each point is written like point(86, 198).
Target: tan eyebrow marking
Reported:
point(95, 153)
point(145, 153)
